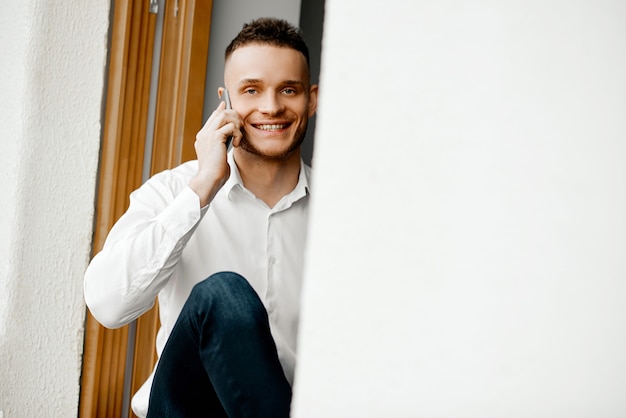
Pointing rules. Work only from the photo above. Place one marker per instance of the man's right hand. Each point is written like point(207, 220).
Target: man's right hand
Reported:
point(210, 145)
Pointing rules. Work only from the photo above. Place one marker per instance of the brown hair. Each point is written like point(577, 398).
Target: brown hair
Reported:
point(270, 31)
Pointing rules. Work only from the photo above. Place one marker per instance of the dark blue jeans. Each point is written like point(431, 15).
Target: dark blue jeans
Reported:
point(220, 359)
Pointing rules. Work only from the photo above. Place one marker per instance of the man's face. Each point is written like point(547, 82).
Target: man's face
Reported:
point(269, 88)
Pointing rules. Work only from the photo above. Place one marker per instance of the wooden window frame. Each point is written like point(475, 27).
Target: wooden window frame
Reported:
point(180, 99)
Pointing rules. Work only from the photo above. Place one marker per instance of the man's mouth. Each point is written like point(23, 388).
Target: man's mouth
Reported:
point(271, 127)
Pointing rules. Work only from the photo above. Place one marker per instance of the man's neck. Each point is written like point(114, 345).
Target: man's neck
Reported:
point(269, 180)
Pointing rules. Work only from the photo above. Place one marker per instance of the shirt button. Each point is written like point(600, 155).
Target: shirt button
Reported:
point(272, 260)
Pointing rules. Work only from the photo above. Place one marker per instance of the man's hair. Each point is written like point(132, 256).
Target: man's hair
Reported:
point(270, 31)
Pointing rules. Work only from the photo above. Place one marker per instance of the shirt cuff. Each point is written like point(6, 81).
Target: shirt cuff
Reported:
point(182, 215)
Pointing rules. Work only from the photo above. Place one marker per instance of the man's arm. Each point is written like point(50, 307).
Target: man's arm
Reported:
point(145, 245)
point(141, 251)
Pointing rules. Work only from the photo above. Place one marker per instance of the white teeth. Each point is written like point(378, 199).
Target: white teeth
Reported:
point(271, 127)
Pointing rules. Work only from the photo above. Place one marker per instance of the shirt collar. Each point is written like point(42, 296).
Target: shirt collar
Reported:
point(235, 178)
point(301, 190)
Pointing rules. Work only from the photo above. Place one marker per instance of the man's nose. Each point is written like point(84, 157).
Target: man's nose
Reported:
point(271, 104)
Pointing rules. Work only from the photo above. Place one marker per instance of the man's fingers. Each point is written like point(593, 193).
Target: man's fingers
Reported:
point(223, 122)
point(237, 138)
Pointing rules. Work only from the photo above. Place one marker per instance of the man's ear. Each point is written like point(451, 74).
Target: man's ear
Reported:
point(220, 92)
point(313, 99)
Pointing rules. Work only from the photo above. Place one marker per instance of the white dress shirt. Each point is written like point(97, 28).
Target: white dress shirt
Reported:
point(165, 244)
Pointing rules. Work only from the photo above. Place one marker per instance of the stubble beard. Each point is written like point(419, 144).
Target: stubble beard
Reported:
point(285, 155)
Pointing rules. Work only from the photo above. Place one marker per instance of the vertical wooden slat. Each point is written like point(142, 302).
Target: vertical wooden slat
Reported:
point(92, 362)
point(181, 83)
point(121, 165)
point(145, 352)
point(164, 132)
point(196, 42)
point(105, 378)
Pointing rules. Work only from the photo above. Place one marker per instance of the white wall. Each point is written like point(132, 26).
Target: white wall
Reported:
point(52, 73)
point(468, 239)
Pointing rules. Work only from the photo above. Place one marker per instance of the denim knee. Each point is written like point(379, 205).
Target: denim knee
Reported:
point(217, 283)
point(229, 296)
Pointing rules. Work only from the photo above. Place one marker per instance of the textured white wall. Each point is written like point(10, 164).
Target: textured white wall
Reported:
point(468, 238)
point(53, 64)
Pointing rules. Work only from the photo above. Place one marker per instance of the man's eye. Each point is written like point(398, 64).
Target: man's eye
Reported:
point(289, 91)
point(250, 91)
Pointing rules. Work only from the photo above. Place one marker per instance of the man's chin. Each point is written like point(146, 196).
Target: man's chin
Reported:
point(270, 153)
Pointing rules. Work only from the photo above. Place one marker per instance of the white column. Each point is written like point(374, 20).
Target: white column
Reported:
point(467, 252)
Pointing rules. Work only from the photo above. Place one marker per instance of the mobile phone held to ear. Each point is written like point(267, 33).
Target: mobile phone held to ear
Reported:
point(226, 98)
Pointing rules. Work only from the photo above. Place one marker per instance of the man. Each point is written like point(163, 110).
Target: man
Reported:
point(232, 227)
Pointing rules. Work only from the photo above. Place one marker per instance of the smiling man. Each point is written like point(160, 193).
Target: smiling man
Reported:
point(220, 241)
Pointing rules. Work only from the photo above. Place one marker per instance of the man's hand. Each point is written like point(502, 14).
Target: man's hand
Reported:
point(210, 145)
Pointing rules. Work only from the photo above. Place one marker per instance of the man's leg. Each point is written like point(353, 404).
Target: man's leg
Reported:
point(220, 359)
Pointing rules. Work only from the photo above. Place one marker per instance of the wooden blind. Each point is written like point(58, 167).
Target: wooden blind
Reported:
point(179, 116)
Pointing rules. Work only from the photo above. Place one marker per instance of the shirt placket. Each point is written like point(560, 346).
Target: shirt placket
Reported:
point(272, 260)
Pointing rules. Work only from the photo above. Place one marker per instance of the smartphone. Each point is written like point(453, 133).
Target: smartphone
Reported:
point(226, 98)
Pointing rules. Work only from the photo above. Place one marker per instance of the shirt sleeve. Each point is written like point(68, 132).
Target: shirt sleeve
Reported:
point(141, 251)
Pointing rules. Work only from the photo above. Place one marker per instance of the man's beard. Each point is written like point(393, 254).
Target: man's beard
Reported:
point(299, 139)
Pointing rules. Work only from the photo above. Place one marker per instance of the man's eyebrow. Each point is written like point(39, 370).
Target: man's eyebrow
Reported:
point(294, 83)
point(253, 81)
point(246, 81)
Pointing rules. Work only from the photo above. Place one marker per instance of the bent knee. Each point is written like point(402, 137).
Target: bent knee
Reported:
point(225, 281)
point(226, 290)
point(229, 298)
